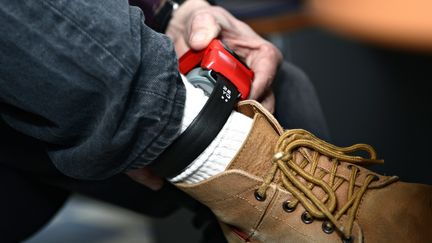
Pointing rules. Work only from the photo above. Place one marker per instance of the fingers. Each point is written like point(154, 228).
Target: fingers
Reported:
point(180, 47)
point(269, 101)
point(264, 62)
point(207, 23)
point(203, 28)
point(146, 177)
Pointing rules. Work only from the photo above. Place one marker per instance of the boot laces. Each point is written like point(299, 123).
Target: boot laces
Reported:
point(324, 208)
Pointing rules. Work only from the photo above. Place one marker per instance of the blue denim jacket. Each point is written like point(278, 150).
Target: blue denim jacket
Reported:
point(90, 81)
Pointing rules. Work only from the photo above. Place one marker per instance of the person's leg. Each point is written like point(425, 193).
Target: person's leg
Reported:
point(292, 86)
point(297, 104)
point(25, 205)
point(34, 190)
point(32, 201)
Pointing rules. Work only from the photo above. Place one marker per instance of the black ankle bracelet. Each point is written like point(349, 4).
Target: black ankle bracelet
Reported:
point(201, 132)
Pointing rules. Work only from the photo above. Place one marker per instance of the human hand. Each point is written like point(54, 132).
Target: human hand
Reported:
point(146, 177)
point(195, 23)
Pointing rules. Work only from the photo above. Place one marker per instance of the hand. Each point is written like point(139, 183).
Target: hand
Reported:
point(146, 177)
point(195, 23)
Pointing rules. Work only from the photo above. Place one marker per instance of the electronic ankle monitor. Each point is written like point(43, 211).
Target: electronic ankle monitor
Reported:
point(225, 79)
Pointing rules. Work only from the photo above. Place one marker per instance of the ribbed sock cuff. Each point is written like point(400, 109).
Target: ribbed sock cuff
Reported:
point(216, 157)
point(220, 152)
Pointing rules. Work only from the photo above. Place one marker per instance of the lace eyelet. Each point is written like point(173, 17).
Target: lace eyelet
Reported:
point(350, 167)
point(327, 227)
point(287, 208)
point(306, 218)
point(347, 239)
point(375, 178)
point(258, 197)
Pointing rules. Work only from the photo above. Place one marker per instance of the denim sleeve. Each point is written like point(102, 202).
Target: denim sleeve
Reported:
point(89, 80)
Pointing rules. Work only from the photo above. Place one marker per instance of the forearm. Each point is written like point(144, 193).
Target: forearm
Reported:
point(91, 81)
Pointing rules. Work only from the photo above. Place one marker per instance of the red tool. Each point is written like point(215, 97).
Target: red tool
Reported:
point(219, 58)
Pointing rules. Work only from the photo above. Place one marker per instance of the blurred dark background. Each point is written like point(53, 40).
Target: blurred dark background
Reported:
point(371, 94)
point(374, 82)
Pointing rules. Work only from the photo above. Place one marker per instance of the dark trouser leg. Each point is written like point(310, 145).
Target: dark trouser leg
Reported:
point(31, 201)
point(25, 205)
point(297, 104)
point(33, 190)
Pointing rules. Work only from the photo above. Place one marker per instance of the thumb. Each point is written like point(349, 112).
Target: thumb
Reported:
point(203, 29)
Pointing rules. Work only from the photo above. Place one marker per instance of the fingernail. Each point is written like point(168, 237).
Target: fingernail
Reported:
point(197, 37)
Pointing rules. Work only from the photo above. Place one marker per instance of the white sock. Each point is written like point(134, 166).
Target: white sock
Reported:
point(216, 157)
point(195, 101)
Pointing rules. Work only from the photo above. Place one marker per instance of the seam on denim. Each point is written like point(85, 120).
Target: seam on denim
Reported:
point(149, 92)
point(87, 34)
point(145, 91)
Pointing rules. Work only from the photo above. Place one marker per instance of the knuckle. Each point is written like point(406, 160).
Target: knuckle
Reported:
point(267, 47)
point(203, 14)
point(218, 9)
point(203, 19)
point(271, 51)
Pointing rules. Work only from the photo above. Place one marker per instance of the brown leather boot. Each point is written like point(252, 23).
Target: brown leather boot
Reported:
point(289, 186)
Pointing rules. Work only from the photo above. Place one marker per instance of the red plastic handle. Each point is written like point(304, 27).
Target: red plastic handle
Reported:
point(215, 57)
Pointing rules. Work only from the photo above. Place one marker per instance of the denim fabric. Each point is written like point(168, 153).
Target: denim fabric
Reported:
point(88, 79)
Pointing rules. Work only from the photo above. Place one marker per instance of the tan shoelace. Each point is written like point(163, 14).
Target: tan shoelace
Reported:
point(319, 208)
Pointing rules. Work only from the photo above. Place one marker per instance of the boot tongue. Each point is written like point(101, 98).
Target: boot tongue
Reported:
point(257, 151)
